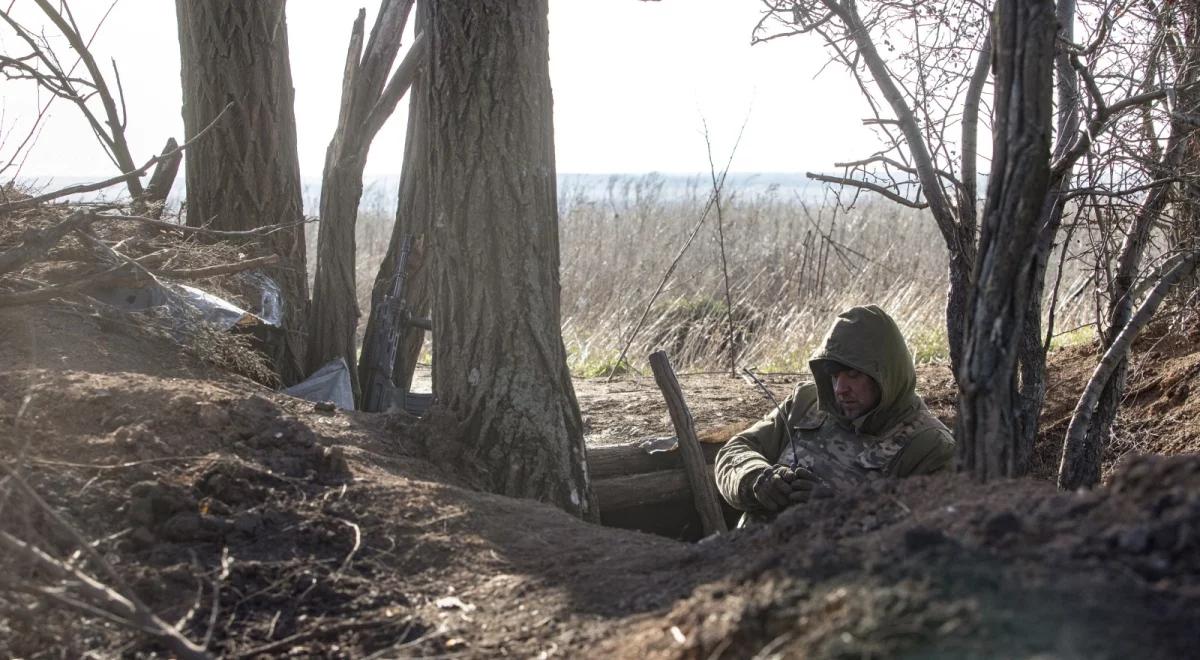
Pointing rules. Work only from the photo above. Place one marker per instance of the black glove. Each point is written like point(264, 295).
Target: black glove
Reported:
point(806, 486)
point(778, 487)
point(773, 487)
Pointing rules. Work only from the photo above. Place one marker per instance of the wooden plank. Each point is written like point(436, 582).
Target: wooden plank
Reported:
point(704, 487)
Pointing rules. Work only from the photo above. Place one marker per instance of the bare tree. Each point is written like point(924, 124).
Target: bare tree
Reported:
point(499, 366)
point(246, 174)
point(368, 99)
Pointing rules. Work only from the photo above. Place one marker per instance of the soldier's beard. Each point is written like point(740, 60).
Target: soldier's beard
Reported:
point(851, 409)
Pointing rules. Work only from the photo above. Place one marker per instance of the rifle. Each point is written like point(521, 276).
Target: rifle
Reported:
point(380, 392)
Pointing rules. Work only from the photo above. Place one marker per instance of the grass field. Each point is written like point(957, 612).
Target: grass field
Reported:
point(793, 263)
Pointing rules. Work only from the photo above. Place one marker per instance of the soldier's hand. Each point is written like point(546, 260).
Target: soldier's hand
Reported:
point(773, 487)
point(806, 486)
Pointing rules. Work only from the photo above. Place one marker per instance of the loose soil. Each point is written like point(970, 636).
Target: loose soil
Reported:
point(268, 527)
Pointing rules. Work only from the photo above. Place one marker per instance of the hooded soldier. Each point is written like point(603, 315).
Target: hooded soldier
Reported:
point(861, 419)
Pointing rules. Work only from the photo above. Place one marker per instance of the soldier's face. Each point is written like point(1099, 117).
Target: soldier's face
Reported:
point(856, 393)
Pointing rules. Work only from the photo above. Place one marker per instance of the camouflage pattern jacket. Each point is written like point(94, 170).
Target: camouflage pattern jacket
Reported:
point(898, 438)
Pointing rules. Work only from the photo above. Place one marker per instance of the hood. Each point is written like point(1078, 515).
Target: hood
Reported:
point(867, 339)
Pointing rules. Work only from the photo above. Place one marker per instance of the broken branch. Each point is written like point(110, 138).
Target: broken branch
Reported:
point(866, 185)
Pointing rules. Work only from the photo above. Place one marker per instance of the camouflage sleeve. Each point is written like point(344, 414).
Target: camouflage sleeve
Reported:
point(929, 452)
point(747, 453)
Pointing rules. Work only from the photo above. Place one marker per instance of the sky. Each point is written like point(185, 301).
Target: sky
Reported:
point(634, 83)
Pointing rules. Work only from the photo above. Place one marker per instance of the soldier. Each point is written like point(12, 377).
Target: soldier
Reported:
point(861, 419)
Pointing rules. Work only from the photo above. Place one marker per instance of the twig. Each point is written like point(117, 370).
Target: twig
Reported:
point(36, 244)
point(682, 250)
point(92, 187)
point(226, 562)
point(907, 169)
point(712, 170)
point(126, 603)
point(385, 652)
point(866, 185)
point(783, 416)
point(104, 250)
point(114, 277)
point(216, 233)
point(317, 631)
point(219, 269)
point(102, 599)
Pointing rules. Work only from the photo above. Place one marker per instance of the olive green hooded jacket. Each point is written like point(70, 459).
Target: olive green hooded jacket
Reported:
point(897, 438)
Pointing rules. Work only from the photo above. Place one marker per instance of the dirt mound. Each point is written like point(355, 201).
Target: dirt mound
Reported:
point(946, 568)
point(264, 526)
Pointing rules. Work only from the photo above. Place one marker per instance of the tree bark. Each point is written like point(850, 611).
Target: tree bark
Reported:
point(1186, 233)
point(1032, 356)
point(1004, 273)
point(245, 173)
point(412, 219)
point(365, 104)
point(499, 364)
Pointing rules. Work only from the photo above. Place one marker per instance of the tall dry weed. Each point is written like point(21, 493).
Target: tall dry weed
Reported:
point(795, 261)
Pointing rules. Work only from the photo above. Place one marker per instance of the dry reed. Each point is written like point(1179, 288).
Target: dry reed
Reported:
point(795, 261)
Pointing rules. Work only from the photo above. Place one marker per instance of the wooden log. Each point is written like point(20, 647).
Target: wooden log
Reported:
point(700, 478)
point(634, 490)
point(623, 460)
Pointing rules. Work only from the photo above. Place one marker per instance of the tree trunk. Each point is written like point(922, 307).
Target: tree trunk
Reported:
point(245, 172)
point(958, 300)
point(1032, 356)
point(366, 103)
point(1024, 48)
point(499, 364)
point(412, 219)
point(1186, 233)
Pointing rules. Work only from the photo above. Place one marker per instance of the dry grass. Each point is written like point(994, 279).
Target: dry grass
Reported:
point(793, 262)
